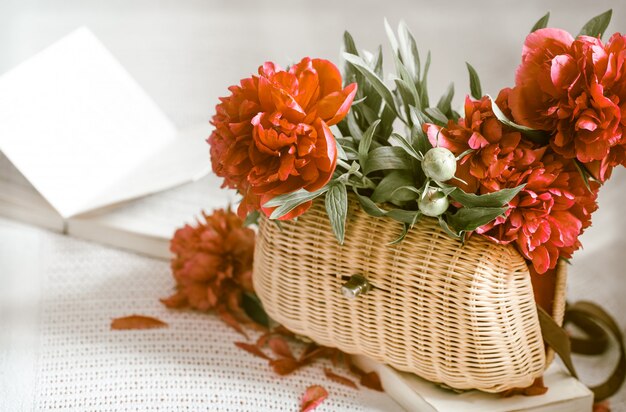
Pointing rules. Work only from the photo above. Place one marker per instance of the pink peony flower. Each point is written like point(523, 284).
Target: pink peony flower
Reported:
point(574, 89)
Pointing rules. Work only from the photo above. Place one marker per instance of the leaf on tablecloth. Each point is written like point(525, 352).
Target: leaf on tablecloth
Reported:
point(339, 379)
point(136, 322)
point(284, 366)
point(253, 349)
point(280, 347)
point(312, 398)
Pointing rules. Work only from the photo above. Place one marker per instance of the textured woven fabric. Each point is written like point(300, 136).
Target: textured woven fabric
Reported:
point(80, 364)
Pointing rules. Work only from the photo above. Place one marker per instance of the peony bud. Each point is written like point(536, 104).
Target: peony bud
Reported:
point(434, 203)
point(439, 164)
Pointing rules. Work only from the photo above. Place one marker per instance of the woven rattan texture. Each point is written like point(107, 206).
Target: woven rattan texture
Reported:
point(461, 316)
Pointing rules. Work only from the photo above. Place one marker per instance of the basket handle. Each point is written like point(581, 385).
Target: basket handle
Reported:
point(591, 318)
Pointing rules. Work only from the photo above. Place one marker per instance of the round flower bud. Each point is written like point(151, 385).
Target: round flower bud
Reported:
point(434, 204)
point(439, 164)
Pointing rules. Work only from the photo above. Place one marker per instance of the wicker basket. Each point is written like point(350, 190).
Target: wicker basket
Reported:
point(463, 316)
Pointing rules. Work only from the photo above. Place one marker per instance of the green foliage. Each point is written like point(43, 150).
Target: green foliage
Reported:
point(542, 23)
point(381, 144)
point(597, 25)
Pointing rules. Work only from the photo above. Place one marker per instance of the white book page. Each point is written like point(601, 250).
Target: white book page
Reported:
point(83, 132)
point(159, 215)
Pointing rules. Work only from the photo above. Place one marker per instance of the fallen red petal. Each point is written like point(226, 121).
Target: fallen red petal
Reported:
point(136, 322)
point(536, 389)
point(230, 320)
point(176, 301)
point(312, 398)
point(372, 380)
point(280, 347)
point(253, 349)
point(339, 379)
point(603, 406)
point(284, 366)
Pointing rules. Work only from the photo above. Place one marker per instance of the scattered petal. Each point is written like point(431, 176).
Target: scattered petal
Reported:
point(603, 406)
point(230, 320)
point(284, 366)
point(312, 398)
point(280, 347)
point(339, 379)
point(176, 301)
point(136, 322)
point(537, 388)
point(253, 349)
point(372, 380)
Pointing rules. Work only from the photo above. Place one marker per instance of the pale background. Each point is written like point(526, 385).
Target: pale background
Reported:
point(186, 53)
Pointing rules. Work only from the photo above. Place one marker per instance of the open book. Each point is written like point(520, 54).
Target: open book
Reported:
point(79, 138)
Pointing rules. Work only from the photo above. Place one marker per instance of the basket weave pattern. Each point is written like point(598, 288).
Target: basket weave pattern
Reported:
point(463, 316)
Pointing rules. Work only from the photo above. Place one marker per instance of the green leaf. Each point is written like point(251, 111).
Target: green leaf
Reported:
point(253, 307)
point(337, 209)
point(287, 202)
point(252, 218)
point(437, 116)
point(445, 102)
point(596, 26)
point(583, 173)
point(495, 199)
point(392, 37)
point(408, 51)
point(405, 92)
point(387, 188)
point(405, 230)
point(408, 217)
point(353, 126)
point(538, 136)
point(447, 229)
point(475, 88)
point(341, 154)
point(542, 23)
point(404, 144)
point(348, 43)
point(373, 79)
point(366, 142)
point(387, 158)
point(467, 219)
point(423, 82)
point(421, 140)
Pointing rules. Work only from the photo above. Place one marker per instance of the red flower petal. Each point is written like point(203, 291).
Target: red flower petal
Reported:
point(372, 380)
point(280, 347)
point(312, 398)
point(335, 106)
point(285, 366)
point(339, 379)
point(253, 349)
point(136, 322)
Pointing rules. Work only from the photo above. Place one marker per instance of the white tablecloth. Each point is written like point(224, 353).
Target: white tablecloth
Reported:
point(185, 54)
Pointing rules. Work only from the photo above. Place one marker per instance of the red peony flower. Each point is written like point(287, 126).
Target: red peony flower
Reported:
point(495, 146)
point(272, 133)
point(575, 90)
point(545, 219)
point(212, 265)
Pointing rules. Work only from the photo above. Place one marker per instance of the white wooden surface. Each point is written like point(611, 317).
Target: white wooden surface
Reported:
point(185, 54)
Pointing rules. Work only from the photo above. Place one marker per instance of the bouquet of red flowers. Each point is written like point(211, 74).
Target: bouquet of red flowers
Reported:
point(522, 169)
